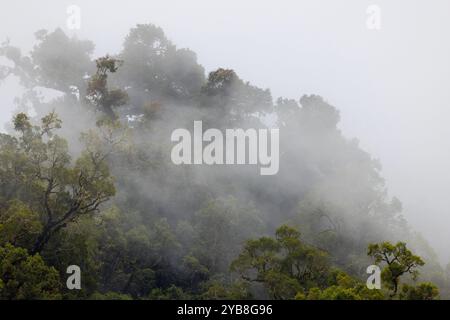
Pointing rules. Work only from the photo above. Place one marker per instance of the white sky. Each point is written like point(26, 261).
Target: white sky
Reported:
point(391, 85)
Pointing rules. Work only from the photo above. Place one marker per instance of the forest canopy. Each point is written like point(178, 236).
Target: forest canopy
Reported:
point(86, 179)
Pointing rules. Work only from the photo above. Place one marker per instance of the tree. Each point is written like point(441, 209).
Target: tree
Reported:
point(43, 177)
point(155, 70)
point(341, 286)
point(227, 96)
point(24, 276)
point(19, 225)
point(56, 61)
point(285, 265)
point(173, 231)
point(423, 291)
point(216, 289)
point(399, 260)
point(221, 227)
point(98, 93)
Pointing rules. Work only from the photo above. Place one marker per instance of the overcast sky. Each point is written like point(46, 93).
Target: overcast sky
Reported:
point(391, 85)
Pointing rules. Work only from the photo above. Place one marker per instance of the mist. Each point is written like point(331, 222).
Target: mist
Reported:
point(389, 86)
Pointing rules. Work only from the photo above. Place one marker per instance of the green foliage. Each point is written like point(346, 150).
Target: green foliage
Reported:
point(171, 293)
point(109, 296)
point(423, 291)
point(48, 190)
point(26, 277)
point(231, 100)
point(19, 225)
point(342, 287)
point(399, 260)
point(216, 289)
point(98, 93)
point(284, 265)
point(291, 269)
point(156, 70)
point(220, 228)
point(141, 228)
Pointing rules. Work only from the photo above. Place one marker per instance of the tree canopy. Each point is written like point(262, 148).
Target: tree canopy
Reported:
point(86, 179)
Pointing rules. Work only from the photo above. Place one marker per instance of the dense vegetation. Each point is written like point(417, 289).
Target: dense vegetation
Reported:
point(86, 179)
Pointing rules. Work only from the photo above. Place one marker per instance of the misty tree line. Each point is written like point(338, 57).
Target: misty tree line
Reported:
point(86, 179)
